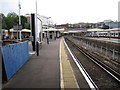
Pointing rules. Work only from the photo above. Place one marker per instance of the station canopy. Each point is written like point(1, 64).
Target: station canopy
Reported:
point(95, 30)
point(74, 31)
point(23, 30)
point(54, 29)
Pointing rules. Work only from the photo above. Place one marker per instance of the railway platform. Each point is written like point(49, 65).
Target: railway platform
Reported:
point(114, 40)
point(51, 69)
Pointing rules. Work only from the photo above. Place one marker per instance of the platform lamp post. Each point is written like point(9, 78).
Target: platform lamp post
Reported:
point(36, 31)
point(37, 38)
point(48, 34)
point(19, 18)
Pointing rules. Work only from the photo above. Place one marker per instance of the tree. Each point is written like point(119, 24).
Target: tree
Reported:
point(23, 21)
point(2, 21)
point(11, 20)
point(27, 25)
point(105, 26)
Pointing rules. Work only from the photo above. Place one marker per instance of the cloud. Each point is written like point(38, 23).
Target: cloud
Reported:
point(8, 6)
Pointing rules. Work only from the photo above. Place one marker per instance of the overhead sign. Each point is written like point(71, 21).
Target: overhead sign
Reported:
point(17, 27)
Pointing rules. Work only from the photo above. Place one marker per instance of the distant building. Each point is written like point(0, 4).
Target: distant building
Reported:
point(107, 21)
point(99, 25)
point(79, 26)
point(46, 22)
point(113, 24)
point(84, 26)
point(65, 26)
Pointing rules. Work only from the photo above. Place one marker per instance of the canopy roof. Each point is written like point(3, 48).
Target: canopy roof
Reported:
point(23, 30)
point(95, 29)
point(54, 29)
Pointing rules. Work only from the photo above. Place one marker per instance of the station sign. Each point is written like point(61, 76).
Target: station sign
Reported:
point(17, 27)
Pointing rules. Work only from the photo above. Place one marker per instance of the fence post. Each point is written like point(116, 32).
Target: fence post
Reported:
point(113, 54)
point(106, 51)
point(101, 49)
point(96, 47)
point(81, 42)
point(92, 45)
point(88, 45)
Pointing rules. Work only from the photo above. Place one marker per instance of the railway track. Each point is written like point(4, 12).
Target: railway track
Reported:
point(100, 75)
point(107, 48)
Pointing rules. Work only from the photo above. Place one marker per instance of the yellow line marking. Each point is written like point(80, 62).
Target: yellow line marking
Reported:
point(61, 72)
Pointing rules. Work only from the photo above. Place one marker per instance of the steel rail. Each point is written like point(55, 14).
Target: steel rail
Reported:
point(106, 68)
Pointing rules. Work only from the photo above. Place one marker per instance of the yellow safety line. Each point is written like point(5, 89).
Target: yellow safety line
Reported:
point(61, 73)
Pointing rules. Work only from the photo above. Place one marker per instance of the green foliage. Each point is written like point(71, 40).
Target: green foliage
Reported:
point(27, 25)
point(105, 27)
point(12, 19)
point(12, 14)
point(23, 21)
point(2, 21)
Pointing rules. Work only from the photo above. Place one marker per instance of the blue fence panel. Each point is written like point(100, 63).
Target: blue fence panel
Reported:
point(14, 56)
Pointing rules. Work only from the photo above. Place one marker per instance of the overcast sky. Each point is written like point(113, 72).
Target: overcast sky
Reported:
point(66, 11)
